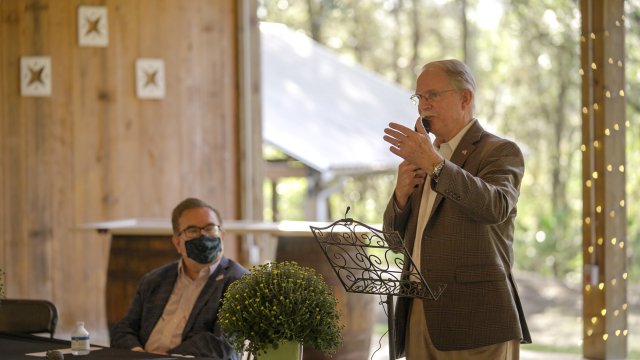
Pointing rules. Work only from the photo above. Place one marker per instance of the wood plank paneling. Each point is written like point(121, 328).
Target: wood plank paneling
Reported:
point(93, 151)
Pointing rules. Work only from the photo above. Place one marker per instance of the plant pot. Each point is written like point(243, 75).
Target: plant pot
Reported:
point(287, 350)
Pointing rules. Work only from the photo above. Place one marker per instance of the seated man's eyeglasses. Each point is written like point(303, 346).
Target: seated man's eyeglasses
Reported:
point(195, 231)
point(429, 96)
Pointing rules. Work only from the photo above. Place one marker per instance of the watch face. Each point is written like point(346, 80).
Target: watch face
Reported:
point(437, 169)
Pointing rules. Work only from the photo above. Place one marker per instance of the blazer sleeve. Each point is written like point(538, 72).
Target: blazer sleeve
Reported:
point(395, 219)
point(211, 344)
point(488, 193)
point(125, 332)
point(146, 308)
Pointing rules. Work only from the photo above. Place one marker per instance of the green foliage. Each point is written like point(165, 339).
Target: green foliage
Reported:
point(278, 302)
point(366, 196)
point(539, 107)
point(291, 194)
point(529, 90)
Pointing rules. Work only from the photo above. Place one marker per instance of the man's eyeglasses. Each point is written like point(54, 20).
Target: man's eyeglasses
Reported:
point(195, 231)
point(429, 96)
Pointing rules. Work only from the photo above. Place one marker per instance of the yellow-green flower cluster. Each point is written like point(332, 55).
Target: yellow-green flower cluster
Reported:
point(277, 302)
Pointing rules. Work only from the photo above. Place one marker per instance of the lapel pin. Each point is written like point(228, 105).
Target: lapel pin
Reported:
point(220, 277)
point(464, 152)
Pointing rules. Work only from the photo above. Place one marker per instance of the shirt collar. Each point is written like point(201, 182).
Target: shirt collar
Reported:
point(453, 143)
point(206, 271)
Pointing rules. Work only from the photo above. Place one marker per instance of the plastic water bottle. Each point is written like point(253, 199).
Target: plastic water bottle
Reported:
point(80, 340)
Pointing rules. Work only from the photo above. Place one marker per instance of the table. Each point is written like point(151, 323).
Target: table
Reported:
point(140, 245)
point(16, 346)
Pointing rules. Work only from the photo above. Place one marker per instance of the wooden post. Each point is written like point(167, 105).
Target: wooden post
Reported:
point(249, 143)
point(603, 168)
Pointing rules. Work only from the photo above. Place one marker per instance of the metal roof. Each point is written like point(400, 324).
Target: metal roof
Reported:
point(322, 110)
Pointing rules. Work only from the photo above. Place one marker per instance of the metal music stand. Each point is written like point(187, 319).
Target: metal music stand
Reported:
point(370, 261)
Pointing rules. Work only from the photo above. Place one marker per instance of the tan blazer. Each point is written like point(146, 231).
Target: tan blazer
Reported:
point(468, 245)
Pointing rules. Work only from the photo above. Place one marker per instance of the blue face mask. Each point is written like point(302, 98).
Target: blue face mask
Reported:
point(203, 249)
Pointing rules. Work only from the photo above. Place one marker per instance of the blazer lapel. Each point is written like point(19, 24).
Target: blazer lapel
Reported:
point(213, 284)
point(464, 149)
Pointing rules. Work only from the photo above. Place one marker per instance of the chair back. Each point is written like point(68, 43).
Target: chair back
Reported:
point(28, 316)
point(2, 295)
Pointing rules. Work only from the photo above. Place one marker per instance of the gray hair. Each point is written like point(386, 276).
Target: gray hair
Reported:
point(459, 75)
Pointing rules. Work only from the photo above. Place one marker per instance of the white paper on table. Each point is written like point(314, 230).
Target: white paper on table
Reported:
point(64, 351)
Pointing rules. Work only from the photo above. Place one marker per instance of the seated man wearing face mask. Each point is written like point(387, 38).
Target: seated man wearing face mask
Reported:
point(176, 306)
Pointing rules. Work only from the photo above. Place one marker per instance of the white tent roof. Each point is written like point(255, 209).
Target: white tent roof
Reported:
point(323, 111)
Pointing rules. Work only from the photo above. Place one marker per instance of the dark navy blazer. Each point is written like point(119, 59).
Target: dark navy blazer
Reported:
point(201, 335)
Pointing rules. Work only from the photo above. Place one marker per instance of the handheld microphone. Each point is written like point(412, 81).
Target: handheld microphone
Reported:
point(427, 127)
point(425, 123)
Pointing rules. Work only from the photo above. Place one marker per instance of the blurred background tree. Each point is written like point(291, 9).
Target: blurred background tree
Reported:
point(526, 58)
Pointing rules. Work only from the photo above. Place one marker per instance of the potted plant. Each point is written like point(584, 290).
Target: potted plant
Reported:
point(279, 303)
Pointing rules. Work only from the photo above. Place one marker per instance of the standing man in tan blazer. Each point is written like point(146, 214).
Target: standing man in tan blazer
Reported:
point(455, 205)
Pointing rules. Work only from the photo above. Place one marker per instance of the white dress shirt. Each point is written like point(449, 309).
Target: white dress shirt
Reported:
point(167, 333)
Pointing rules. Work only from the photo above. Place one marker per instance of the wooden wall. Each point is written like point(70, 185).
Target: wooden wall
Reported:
point(93, 151)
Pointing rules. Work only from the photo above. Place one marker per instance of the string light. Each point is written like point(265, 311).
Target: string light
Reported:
point(601, 131)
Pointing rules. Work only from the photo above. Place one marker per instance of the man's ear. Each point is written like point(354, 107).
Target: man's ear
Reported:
point(176, 242)
point(467, 98)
